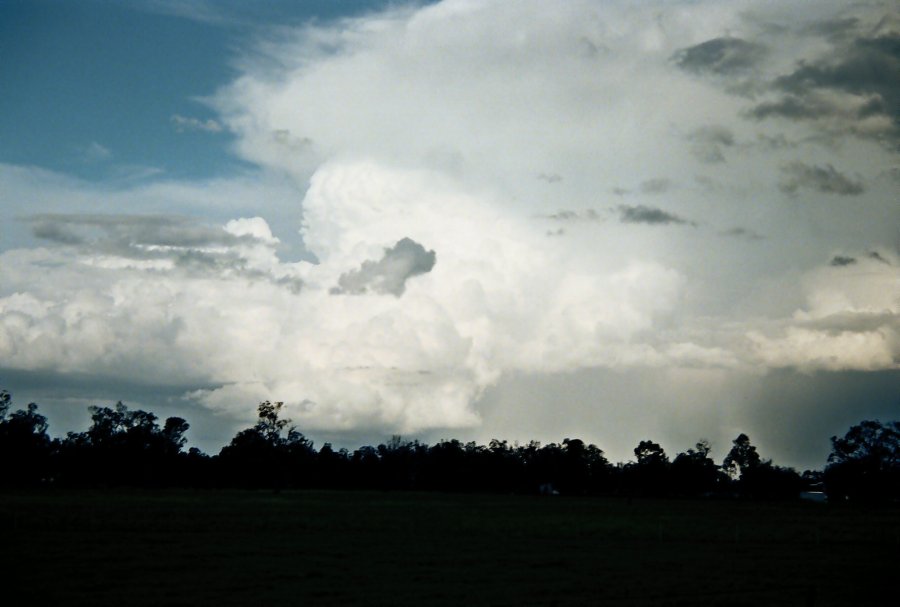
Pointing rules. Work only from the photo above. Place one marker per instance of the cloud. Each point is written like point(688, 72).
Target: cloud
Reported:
point(841, 260)
point(850, 89)
point(720, 56)
point(744, 233)
point(95, 152)
point(707, 143)
point(495, 303)
point(389, 274)
point(185, 123)
point(659, 185)
point(851, 320)
point(650, 216)
point(568, 215)
point(163, 243)
point(379, 141)
point(825, 179)
point(132, 231)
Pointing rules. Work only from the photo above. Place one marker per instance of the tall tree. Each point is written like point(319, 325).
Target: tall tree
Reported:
point(650, 474)
point(865, 463)
point(742, 457)
point(759, 478)
point(694, 472)
point(124, 447)
point(270, 454)
point(24, 444)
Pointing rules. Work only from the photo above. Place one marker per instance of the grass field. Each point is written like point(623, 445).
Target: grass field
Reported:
point(331, 548)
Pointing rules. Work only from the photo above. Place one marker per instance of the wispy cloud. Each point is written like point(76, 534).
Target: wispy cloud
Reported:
point(744, 233)
point(721, 56)
point(650, 216)
point(825, 179)
point(95, 152)
point(186, 123)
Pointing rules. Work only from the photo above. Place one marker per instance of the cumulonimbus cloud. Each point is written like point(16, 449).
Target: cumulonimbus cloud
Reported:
point(434, 276)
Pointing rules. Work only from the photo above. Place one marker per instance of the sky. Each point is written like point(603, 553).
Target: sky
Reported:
point(466, 219)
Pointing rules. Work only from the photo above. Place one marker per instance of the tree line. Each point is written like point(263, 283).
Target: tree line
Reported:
point(124, 447)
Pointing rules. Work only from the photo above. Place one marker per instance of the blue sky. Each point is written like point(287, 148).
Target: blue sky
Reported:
point(468, 218)
point(91, 87)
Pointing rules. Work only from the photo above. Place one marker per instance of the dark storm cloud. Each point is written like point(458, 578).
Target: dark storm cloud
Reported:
point(707, 143)
point(650, 215)
point(825, 179)
point(389, 274)
point(792, 107)
point(868, 65)
point(864, 68)
point(721, 56)
point(839, 261)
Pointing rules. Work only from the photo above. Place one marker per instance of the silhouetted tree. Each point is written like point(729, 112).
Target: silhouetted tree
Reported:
point(743, 456)
point(768, 481)
point(270, 454)
point(694, 472)
point(128, 447)
point(5, 403)
point(865, 463)
point(24, 444)
point(332, 468)
point(759, 478)
point(123, 447)
point(650, 474)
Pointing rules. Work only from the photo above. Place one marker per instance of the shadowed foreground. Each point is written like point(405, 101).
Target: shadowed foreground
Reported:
point(355, 548)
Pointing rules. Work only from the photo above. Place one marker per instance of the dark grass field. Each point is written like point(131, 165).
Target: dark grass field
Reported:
point(332, 548)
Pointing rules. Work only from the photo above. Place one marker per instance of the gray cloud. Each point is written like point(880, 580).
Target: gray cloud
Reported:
point(841, 260)
point(550, 177)
point(855, 88)
point(389, 274)
point(707, 143)
point(792, 107)
point(867, 65)
point(834, 29)
point(852, 322)
point(657, 185)
point(721, 56)
point(825, 179)
point(745, 233)
point(129, 233)
point(650, 215)
point(188, 244)
point(569, 215)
